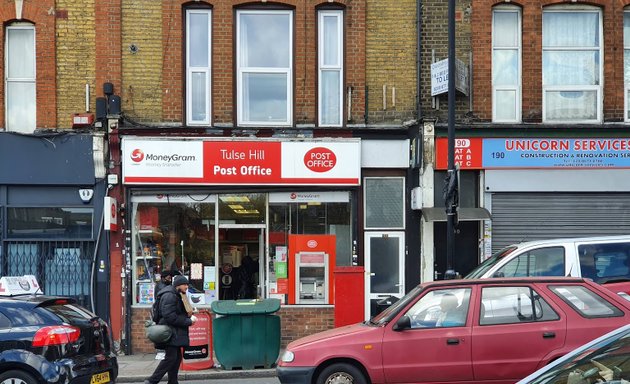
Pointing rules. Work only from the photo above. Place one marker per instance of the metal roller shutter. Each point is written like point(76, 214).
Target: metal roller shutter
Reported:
point(520, 217)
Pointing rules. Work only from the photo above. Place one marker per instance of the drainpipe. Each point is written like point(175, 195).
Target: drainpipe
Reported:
point(418, 58)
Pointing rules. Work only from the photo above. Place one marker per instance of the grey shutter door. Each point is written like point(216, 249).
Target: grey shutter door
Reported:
point(520, 217)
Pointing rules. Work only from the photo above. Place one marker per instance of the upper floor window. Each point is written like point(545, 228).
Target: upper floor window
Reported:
point(20, 92)
point(198, 66)
point(506, 64)
point(626, 63)
point(264, 67)
point(572, 65)
point(330, 68)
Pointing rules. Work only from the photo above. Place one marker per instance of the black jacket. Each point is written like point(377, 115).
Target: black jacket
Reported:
point(173, 313)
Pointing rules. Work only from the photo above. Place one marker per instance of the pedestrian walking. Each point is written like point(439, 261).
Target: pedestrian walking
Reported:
point(166, 278)
point(173, 313)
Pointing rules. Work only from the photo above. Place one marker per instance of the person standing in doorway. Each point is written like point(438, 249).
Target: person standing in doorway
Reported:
point(173, 313)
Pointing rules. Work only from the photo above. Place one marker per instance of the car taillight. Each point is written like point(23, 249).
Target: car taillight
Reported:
point(56, 335)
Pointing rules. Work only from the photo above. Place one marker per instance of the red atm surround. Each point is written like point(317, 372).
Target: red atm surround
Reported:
point(311, 243)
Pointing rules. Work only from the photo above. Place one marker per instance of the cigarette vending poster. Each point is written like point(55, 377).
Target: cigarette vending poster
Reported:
point(281, 253)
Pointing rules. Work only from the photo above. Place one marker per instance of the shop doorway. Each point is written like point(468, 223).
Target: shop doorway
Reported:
point(384, 262)
point(241, 260)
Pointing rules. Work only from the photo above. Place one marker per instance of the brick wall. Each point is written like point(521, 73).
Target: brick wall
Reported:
point(532, 58)
point(391, 60)
point(142, 69)
point(42, 14)
point(303, 321)
point(76, 58)
point(153, 84)
point(435, 46)
point(295, 322)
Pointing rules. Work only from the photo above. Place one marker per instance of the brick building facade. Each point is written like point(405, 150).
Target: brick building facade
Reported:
point(140, 49)
point(540, 72)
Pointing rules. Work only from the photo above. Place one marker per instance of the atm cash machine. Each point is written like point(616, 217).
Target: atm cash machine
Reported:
point(311, 269)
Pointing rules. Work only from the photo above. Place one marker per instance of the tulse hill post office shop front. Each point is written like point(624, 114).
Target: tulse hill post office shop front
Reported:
point(242, 219)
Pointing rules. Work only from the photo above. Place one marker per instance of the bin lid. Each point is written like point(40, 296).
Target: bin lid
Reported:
point(245, 307)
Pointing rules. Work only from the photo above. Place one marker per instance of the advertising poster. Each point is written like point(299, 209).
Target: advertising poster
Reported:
point(283, 286)
point(281, 270)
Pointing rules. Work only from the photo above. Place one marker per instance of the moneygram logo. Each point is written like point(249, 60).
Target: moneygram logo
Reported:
point(137, 155)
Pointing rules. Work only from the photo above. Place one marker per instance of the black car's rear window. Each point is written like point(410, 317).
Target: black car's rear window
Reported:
point(26, 315)
point(70, 313)
point(23, 314)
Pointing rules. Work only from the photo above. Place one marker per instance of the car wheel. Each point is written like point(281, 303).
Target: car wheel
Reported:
point(17, 377)
point(341, 373)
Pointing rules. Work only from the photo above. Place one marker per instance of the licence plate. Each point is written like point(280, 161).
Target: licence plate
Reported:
point(100, 378)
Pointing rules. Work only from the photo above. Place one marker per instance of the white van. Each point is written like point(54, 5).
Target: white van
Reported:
point(604, 259)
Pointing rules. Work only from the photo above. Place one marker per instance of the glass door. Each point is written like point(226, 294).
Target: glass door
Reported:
point(384, 263)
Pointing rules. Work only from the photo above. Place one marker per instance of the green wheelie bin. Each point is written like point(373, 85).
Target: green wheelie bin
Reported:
point(245, 333)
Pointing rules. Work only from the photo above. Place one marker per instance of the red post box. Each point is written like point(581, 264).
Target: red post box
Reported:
point(349, 295)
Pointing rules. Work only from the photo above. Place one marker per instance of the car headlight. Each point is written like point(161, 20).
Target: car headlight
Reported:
point(287, 357)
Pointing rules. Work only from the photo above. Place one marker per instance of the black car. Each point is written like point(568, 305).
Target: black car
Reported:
point(47, 339)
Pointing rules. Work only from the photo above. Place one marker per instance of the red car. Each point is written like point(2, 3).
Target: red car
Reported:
point(460, 331)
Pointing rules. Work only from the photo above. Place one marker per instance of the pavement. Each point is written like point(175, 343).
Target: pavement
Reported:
point(137, 367)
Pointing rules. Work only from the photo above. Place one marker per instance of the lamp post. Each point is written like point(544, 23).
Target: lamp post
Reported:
point(451, 180)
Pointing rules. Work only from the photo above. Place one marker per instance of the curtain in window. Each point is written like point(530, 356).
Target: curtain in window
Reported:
point(330, 98)
point(571, 65)
point(20, 79)
point(571, 48)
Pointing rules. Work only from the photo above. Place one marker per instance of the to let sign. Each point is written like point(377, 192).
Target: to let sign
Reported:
point(439, 77)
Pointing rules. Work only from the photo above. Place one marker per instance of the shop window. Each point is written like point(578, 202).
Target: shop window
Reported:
point(50, 223)
point(198, 66)
point(506, 64)
point(330, 68)
point(572, 64)
point(20, 78)
point(264, 54)
point(322, 213)
point(174, 233)
point(384, 202)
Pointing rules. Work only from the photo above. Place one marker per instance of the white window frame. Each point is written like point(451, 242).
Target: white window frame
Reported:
point(190, 70)
point(241, 71)
point(626, 70)
point(517, 88)
point(337, 67)
point(31, 80)
point(597, 88)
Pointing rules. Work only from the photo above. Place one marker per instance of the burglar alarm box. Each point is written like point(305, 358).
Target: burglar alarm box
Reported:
point(311, 262)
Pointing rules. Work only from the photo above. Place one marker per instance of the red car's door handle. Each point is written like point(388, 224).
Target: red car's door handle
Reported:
point(452, 341)
point(549, 335)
